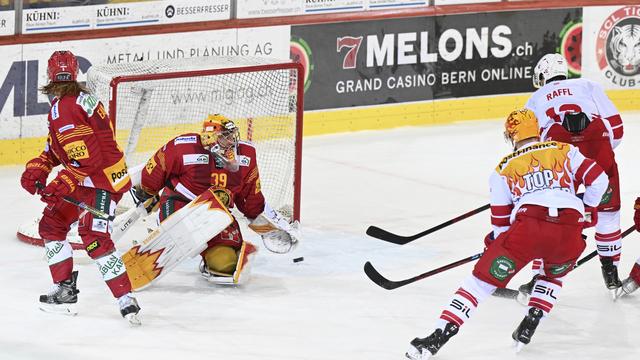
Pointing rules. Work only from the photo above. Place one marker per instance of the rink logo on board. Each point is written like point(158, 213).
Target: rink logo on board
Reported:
point(618, 47)
point(112, 12)
point(413, 48)
point(502, 267)
point(42, 16)
point(171, 11)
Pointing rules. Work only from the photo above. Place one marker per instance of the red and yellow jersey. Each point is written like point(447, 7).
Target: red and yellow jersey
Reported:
point(545, 174)
point(185, 167)
point(82, 139)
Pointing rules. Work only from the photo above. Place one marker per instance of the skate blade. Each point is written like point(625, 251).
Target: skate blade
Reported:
point(62, 309)
point(615, 293)
point(523, 298)
point(518, 346)
point(133, 319)
point(414, 354)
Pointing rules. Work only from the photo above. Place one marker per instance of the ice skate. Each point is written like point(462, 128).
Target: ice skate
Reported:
point(610, 275)
point(62, 297)
point(628, 286)
point(522, 335)
point(129, 309)
point(528, 287)
point(422, 349)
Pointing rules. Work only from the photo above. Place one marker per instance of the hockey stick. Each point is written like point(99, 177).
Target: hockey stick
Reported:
point(95, 212)
point(384, 235)
point(513, 293)
point(131, 216)
point(385, 283)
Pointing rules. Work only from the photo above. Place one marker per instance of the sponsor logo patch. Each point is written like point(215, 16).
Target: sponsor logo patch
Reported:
point(607, 196)
point(224, 196)
point(54, 111)
point(87, 102)
point(185, 140)
point(77, 150)
point(117, 174)
point(151, 164)
point(99, 225)
point(244, 160)
point(101, 111)
point(559, 269)
point(92, 246)
point(195, 159)
point(502, 267)
point(66, 127)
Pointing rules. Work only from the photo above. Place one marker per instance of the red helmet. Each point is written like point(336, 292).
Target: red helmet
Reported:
point(62, 66)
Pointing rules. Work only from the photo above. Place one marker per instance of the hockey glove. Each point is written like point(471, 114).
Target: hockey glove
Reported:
point(36, 171)
point(636, 215)
point(139, 195)
point(590, 216)
point(63, 185)
point(278, 235)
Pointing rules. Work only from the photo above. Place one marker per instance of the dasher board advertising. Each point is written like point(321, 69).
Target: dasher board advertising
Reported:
point(426, 58)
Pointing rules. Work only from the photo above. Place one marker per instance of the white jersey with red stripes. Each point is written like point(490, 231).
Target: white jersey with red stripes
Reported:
point(551, 101)
point(545, 174)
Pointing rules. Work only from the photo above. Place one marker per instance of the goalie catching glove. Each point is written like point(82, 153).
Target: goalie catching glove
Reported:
point(278, 235)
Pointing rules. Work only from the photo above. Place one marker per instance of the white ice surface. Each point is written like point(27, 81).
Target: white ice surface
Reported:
point(403, 180)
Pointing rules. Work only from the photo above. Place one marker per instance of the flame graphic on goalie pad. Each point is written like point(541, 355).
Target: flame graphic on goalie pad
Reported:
point(537, 167)
point(182, 235)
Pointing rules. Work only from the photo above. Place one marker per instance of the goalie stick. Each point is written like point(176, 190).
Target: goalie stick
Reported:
point(384, 235)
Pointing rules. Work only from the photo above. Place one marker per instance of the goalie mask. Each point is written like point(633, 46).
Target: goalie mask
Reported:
point(575, 122)
point(521, 125)
point(220, 135)
point(549, 67)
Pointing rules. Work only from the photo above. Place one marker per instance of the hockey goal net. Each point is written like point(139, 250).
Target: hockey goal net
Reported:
point(151, 102)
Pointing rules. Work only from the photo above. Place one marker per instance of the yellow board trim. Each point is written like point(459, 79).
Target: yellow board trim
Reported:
point(19, 151)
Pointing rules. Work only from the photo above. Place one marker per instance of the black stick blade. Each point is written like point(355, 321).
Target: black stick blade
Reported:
point(384, 235)
point(377, 278)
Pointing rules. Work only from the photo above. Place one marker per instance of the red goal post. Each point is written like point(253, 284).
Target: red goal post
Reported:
point(152, 102)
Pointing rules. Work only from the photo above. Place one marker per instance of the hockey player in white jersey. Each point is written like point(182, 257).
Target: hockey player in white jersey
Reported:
point(535, 213)
point(577, 111)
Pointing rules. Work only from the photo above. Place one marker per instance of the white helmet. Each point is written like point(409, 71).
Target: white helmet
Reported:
point(550, 66)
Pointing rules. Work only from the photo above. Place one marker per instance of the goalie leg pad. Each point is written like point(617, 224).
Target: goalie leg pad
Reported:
point(180, 236)
point(240, 274)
